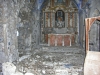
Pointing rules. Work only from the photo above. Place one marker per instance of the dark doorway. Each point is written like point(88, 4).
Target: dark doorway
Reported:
point(94, 36)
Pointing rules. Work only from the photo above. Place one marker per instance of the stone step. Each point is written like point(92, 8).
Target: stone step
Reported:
point(61, 48)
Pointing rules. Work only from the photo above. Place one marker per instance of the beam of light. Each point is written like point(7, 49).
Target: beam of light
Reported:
point(39, 3)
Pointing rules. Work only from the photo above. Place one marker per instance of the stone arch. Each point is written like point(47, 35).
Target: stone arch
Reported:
point(60, 13)
point(96, 12)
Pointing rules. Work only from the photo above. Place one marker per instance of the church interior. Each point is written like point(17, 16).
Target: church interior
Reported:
point(49, 37)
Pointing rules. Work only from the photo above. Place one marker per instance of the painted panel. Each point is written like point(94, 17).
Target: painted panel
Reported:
point(52, 40)
point(67, 40)
point(59, 40)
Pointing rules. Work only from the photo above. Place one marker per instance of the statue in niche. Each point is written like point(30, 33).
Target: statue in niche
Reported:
point(60, 19)
point(60, 22)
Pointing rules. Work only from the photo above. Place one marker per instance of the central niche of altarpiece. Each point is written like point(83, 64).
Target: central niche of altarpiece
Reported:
point(58, 17)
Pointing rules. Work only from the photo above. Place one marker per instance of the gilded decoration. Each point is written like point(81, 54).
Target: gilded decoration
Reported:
point(59, 17)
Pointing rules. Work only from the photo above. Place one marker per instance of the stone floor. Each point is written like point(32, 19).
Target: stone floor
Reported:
point(53, 61)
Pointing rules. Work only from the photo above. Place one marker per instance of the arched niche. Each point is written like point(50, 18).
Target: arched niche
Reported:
point(59, 19)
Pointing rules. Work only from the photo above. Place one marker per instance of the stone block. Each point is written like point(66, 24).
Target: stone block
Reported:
point(8, 68)
point(29, 74)
point(61, 72)
point(17, 73)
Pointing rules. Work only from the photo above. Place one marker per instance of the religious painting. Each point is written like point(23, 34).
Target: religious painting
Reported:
point(60, 19)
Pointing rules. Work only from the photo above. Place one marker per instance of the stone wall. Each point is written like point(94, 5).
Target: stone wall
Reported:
point(90, 9)
point(2, 54)
point(25, 26)
point(9, 30)
point(81, 27)
point(94, 8)
point(36, 29)
point(16, 22)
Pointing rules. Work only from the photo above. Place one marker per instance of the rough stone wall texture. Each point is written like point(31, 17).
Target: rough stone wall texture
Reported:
point(36, 29)
point(81, 27)
point(15, 16)
point(25, 26)
point(90, 9)
point(2, 55)
point(94, 38)
point(18, 27)
point(9, 30)
point(94, 8)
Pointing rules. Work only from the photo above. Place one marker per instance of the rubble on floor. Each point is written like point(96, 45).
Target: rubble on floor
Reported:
point(53, 61)
point(8, 68)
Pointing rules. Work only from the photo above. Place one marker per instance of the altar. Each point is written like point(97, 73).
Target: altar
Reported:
point(61, 39)
point(59, 25)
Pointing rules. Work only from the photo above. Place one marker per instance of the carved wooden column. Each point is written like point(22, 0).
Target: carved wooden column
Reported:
point(67, 3)
point(52, 3)
point(53, 19)
point(87, 36)
point(66, 19)
point(99, 37)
